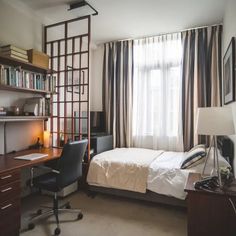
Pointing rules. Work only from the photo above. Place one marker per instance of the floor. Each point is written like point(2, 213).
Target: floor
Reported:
point(108, 216)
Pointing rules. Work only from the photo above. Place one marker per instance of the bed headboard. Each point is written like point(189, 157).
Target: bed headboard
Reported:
point(226, 148)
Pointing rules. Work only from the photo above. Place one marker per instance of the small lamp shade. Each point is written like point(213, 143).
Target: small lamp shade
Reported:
point(46, 139)
point(215, 121)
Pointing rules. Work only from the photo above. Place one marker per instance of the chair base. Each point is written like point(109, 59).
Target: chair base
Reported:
point(55, 210)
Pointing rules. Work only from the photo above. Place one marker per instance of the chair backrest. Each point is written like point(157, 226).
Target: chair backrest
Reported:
point(70, 162)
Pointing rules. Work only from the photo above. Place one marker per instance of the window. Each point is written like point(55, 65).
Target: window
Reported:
point(157, 92)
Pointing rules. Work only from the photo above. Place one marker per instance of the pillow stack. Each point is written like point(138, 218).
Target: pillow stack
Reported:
point(194, 156)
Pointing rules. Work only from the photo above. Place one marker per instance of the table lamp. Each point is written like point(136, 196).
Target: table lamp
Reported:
point(46, 139)
point(214, 121)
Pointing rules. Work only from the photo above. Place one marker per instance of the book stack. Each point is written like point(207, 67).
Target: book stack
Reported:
point(14, 52)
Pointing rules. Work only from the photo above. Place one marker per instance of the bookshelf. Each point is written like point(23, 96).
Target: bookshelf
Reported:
point(30, 79)
point(25, 65)
point(20, 76)
point(36, 82)
point(24, 90)
point(22, 118)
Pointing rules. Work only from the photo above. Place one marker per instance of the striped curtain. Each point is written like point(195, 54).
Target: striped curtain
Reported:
point(201, 77)
point(118, 91)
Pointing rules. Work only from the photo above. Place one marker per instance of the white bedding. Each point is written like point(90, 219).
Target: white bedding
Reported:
point(122, 168)
point(138, 169)
point(166, 177)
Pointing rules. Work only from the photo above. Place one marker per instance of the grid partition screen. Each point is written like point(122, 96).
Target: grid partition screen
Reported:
point(67, 44)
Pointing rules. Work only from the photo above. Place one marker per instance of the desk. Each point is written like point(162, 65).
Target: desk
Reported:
point(210, 213)
point(10, 187)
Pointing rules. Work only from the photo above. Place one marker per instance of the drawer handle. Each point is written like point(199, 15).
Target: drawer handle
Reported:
point(5, 190)
point(6, 177)
point(5, 207)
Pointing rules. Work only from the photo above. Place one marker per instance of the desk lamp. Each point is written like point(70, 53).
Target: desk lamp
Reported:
point(214, 121)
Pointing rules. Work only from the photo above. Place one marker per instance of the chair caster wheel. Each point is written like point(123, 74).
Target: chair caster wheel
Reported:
point(68, 206)
point(31, 226)
point(80, 216)
point(57, 231)
point(91, 194)
point(39, 212)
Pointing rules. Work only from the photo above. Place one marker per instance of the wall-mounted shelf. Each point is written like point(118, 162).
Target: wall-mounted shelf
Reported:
point(24, 90)
point(24, 65)
point(22, 118)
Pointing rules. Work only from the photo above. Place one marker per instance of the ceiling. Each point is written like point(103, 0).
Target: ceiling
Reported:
point(123, 19)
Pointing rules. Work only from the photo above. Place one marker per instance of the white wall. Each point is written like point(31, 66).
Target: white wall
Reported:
point(96, 79)
point(19, 26)
point(229, 27)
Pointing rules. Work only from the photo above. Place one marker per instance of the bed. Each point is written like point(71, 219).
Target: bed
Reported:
point(150, 175)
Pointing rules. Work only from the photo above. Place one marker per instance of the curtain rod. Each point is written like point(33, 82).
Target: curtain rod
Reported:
point(161, 34)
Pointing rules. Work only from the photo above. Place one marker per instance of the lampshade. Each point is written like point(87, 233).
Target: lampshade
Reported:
point(215, 121)
point(46, 139)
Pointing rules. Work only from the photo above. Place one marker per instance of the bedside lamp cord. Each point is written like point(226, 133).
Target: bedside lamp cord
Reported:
point(231, 202)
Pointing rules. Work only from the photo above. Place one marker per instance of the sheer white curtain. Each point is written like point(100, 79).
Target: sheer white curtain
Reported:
point(157, 109)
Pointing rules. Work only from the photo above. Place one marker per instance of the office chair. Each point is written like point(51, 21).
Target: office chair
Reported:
point(68, 169)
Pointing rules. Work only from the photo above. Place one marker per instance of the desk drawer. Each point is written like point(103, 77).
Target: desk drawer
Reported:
point(11, 206)
point(9, 191)
point(9, 231)
point(10, 218)
point(9, 177)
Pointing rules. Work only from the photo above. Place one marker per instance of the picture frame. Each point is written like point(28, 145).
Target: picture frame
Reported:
point(229, 73)
point(76, 81)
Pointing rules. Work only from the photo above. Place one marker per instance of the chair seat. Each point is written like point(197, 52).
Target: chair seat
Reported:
point(47, 182)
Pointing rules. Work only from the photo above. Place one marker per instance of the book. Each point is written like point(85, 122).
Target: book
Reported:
point(2, 78)
point(11, 47)
point(19, 58)
point(9, 53)
point(3, 113)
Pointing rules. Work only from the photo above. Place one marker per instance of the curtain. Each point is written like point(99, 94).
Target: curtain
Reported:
point(201, 77)
point(118, 91)
point(157, 93)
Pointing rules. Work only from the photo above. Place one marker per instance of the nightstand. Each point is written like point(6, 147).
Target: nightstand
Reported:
point(210, 213)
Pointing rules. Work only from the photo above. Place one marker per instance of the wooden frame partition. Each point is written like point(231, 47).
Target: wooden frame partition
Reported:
point(68, 45)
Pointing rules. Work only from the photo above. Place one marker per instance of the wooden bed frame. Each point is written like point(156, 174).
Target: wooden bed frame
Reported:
point(226, 147)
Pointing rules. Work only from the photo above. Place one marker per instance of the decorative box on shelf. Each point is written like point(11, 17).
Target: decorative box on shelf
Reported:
point(38, 58)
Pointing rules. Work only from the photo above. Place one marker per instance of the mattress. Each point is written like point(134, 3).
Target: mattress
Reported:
point(122, 168)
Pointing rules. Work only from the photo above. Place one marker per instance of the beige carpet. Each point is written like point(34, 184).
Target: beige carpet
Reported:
point(109, 216)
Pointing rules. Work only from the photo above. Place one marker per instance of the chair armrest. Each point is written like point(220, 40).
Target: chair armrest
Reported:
point(42, 168)
point(46, 168)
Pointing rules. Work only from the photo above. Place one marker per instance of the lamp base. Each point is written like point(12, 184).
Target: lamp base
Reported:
point(216, 170)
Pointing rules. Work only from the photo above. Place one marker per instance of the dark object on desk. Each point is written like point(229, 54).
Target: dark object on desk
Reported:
point(209, 183)
point(68, 170)
point(210, 212)
point(97, 122)
point(101, 143)
point(37, 145)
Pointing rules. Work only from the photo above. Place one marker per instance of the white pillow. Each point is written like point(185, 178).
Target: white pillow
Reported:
point(210, 163)
point(193, 157)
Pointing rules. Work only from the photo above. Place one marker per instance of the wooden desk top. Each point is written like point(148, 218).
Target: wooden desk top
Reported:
point(8, 163)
